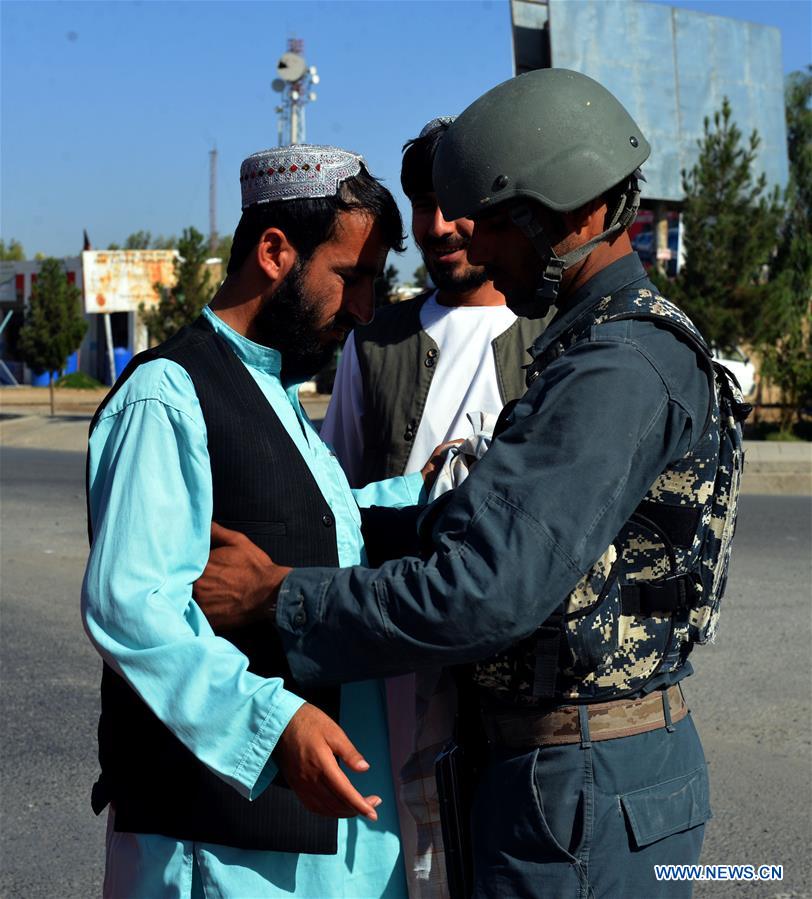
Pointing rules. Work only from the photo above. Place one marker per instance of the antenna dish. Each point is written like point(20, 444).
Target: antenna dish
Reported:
point(278, 85)
point(291, 67)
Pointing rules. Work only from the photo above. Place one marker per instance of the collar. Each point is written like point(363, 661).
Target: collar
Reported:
point(623, 272)
point(264, 358)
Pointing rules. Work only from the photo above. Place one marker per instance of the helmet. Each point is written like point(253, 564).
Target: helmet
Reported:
point(550, 135)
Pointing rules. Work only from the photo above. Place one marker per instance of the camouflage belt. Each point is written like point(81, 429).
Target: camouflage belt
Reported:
point(607, 721)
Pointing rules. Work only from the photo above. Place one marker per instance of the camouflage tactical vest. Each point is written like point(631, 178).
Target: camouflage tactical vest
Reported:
point(656, 590)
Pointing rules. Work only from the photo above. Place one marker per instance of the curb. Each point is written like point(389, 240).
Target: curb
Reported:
point(778, 468)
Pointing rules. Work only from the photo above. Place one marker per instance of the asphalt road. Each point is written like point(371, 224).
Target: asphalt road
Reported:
point(750, 696)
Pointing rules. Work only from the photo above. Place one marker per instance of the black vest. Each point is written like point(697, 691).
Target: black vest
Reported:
point(263, 488)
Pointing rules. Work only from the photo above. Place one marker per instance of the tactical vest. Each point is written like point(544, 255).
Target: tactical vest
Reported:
point(263, 488)
point(656, 590)
point(397, 359)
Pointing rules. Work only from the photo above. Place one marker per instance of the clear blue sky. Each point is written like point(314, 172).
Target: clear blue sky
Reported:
point(109, 109)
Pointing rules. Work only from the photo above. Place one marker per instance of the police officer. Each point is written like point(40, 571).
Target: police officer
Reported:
point(585, 555)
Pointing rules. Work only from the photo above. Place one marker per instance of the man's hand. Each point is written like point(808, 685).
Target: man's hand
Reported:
point(432, 468)
point(306, 754)
point(240, 582)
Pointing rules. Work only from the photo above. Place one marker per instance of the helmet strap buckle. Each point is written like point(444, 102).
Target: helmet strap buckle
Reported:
point(547, 291)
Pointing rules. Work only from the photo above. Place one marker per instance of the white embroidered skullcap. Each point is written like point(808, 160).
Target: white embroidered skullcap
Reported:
point(299, 171)
point(434, 124)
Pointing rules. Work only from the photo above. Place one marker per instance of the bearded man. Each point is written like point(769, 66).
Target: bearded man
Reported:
point(220, 774)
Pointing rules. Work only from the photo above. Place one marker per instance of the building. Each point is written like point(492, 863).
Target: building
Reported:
point(114, 283)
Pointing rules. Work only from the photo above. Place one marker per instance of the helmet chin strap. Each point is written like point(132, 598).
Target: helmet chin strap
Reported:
point(526, 219)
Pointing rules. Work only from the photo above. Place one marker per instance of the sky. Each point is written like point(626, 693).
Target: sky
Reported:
point(108, 110)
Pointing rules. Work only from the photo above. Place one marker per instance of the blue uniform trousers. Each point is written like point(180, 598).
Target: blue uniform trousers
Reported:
point(591, 819)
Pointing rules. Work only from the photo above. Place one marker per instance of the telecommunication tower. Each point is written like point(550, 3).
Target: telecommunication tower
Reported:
point(212, 201)
point(294, 82)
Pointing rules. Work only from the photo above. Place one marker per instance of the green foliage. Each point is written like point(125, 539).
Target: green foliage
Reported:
point(54, 325)
point(180, 305)
point(78, 380)
point(731, 224)
point(14, 252)
point(139, 240)
point(143, 240)
point(385, 286)
point(421, 276)
point(223, 250)
point(784, 333)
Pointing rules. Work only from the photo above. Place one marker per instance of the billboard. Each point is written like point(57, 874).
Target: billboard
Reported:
point(120, 280)
point(670, 68)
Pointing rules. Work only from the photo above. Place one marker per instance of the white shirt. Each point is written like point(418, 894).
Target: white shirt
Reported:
point(464, 381)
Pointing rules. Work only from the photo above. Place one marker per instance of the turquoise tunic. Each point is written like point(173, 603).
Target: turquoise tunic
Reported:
point(151, 505)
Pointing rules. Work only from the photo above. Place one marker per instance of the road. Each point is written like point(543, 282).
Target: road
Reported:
point(750, 698)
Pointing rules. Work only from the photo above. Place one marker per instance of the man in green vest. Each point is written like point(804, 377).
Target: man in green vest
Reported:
point(406, 383)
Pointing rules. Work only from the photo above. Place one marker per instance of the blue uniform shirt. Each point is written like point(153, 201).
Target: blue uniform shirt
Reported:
point(588, 439)
point(151, 506)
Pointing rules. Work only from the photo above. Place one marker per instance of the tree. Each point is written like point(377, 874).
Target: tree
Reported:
point(54, 325)
point(223, 250)
point(14, 252)
point(421, 276)
point(731, 224)
point(180, 305)
point(385, 286)
point(784, 333)
point(139, 240)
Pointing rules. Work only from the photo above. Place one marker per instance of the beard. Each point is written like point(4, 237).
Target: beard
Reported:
point(451, 278)
point(289, 322)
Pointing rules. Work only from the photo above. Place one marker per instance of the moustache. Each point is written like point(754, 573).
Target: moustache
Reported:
point(445, 246)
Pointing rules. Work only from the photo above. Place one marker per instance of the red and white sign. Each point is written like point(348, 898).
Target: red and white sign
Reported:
point(121, 280)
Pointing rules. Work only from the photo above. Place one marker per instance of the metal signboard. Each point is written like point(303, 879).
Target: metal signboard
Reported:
point(121, 280)
point(671, 68)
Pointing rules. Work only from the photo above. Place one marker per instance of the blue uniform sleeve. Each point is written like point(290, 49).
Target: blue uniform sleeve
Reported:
point(151, 506)
point(587, 441)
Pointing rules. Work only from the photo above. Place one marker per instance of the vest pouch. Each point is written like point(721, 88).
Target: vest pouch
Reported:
point(666, 808)
point(714, 554)
point(591, 615)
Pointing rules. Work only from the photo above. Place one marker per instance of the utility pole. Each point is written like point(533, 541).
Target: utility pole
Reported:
point(212, 201)
point(295, 81)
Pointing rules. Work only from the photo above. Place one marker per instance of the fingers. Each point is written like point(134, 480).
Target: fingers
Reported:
point(308, 753)
point(343, 747)
point(221, 536)
point(343, 795)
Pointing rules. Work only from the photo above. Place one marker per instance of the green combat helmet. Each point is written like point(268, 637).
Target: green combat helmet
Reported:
point(550, 136)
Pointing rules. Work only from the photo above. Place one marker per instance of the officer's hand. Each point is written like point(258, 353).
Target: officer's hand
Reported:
point(436, 460)
point(306, 754)
point(240, 582)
